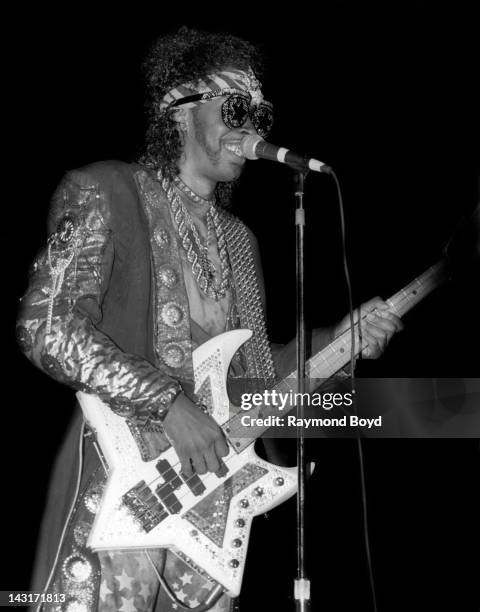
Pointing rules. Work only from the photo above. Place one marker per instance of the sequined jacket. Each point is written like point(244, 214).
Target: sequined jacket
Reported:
point(88, 317)
point(106, 310)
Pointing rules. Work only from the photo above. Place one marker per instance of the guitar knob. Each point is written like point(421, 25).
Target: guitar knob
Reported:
point(279, 481)
point(237, 542)
point(234, 563)
point(244, 503)
point(258, 491)
point(239, 523)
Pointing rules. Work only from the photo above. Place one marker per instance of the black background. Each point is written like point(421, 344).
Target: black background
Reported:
point(387, 97)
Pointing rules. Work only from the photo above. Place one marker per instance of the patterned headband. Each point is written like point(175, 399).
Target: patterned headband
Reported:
point(226, 79)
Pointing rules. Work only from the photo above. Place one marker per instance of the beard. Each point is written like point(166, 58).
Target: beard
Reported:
point(224, 189)
point(200, 136)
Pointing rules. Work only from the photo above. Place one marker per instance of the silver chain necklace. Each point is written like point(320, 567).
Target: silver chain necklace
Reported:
point(203, 269)
point(202, 248)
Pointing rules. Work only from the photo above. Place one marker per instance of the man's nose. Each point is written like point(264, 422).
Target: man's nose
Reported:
point(248, 127)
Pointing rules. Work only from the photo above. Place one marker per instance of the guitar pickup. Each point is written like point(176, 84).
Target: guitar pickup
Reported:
point(168, 473)
point(166, 493)
point(166, 490)
point(194, 483)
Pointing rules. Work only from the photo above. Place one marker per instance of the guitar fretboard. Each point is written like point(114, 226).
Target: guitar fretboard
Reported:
point(335, 356)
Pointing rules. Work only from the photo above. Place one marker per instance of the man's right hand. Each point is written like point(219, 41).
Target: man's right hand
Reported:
point(196, 437)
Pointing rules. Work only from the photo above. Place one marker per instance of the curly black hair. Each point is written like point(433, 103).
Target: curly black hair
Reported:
point(186, 55)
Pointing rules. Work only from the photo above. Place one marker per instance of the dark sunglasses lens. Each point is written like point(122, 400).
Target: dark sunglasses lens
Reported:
point(235, 111)
point(262, 119)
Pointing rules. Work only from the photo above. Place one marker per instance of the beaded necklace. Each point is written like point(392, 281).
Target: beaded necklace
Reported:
point(203, 269)
point(191, 194)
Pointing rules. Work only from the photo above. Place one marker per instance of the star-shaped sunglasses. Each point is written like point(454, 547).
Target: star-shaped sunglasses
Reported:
point(237, 108)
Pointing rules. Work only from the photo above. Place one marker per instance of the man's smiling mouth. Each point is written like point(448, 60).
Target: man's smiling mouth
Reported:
point(234, 147)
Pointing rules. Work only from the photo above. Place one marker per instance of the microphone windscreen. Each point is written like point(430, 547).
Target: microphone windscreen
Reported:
point(249, 144)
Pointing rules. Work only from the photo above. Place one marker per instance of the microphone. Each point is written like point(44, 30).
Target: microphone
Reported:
point(255, 147)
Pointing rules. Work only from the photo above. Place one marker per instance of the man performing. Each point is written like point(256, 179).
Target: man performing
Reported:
point(143, 265)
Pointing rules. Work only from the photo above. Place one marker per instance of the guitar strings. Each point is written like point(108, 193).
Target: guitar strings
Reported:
point(208, 475)
point(204, 477)
point(396, 301)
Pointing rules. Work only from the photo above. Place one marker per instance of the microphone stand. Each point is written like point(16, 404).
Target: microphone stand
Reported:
point(301, 584)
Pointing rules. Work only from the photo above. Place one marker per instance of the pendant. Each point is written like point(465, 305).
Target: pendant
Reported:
point(208, 269)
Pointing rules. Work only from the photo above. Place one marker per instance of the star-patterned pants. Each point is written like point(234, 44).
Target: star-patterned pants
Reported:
point(129, 583)
point(107, 581)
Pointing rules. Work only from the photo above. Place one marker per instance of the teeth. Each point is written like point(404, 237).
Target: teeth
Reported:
point(234, 148)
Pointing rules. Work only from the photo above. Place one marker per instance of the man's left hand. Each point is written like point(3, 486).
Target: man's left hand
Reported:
point(378, 325)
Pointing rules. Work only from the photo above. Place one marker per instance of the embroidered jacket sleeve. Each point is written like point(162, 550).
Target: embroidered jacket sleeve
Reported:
point(60, 314)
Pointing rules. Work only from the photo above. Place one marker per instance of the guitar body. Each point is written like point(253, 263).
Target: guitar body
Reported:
point(204, 519)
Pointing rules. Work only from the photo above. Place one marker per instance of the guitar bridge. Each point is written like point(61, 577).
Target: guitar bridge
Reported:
point(141, 502)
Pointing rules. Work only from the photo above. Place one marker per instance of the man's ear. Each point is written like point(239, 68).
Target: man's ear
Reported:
point(182, 117)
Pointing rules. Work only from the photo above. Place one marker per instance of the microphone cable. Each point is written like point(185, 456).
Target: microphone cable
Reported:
point(352, 383)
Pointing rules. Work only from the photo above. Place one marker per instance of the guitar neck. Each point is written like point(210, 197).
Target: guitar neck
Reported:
point(336, 355)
